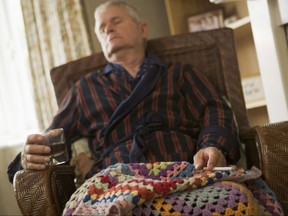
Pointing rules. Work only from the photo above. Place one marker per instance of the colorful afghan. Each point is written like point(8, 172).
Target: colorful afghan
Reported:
point(172, 188)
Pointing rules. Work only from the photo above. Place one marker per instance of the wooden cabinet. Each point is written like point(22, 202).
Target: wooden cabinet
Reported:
point(179, 10)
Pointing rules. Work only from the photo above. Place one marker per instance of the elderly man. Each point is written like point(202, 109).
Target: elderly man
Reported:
point(138, 109)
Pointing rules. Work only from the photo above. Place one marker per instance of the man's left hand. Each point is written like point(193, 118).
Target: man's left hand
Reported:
point(210, 157)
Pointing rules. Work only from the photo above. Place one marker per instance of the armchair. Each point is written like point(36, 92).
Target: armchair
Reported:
point(213, 52)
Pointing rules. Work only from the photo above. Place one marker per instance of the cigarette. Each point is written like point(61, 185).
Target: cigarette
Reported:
point(221, 168)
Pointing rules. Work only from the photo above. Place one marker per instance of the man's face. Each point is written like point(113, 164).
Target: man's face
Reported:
point(116, 31)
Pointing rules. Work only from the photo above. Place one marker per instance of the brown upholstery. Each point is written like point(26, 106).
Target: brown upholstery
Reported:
point(213, 52)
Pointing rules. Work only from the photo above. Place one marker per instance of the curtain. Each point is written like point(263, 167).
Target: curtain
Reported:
point(17, 108)
point(56, 34)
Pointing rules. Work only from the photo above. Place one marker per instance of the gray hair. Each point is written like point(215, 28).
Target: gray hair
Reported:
point(135, 15)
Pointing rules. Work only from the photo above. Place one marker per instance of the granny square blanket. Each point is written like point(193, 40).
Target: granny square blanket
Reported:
point(173, 188)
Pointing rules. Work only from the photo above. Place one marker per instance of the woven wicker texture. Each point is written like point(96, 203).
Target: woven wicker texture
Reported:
point(272, 143)
point(44, 192)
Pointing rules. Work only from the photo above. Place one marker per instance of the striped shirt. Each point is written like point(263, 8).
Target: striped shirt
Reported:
point(193, 114)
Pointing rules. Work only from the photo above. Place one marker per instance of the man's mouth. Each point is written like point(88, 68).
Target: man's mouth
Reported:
point(112, 38)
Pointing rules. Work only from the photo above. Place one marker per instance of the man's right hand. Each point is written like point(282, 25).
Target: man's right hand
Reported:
point(34, 153)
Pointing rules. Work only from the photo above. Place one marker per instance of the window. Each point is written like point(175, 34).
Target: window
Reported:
point(17, 110)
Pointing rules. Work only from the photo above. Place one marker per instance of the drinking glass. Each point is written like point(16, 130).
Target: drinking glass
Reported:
point(55, 139)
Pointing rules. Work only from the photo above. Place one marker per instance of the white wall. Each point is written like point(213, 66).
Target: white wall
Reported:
point(272, 53)
point(8, 203)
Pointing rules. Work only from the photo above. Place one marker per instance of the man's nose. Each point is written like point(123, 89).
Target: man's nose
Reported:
point(109, 28)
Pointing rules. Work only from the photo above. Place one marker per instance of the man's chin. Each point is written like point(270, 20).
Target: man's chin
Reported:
point(115, 50)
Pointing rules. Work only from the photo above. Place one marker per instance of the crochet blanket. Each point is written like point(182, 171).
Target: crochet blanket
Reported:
point(173, 188)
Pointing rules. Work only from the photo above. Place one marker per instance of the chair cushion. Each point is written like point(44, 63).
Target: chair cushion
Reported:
point(81, 160)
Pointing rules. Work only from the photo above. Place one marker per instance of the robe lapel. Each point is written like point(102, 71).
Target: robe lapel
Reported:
point(142, 89)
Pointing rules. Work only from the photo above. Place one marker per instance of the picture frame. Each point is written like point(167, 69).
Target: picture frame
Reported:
point(253, 88)
point(206, 21)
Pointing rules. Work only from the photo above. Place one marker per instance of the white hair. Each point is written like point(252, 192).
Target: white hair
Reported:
point(135, 15)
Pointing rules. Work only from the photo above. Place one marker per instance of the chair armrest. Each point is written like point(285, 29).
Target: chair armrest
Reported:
point(44, 192)
point(251, 151)
point(272, 145)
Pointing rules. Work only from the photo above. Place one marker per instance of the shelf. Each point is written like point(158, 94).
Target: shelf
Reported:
point(255, 104)
point(237, 18)
point(239, 23)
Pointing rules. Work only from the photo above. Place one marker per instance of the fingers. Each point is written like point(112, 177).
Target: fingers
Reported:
point(213, 159)
point(34, 139)
point(37, 149)
point(199, 159)
point(33, 166)
point(34, 161)
point(34, 154)
point(51, 135)
point(216, 158)
point(210, 157)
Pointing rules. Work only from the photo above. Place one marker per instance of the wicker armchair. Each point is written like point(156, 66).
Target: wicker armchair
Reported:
point(213, 52)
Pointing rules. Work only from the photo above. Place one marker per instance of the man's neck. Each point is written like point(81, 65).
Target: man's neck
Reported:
point(130, 61)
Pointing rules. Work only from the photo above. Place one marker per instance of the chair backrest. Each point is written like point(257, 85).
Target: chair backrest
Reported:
point(212, 52)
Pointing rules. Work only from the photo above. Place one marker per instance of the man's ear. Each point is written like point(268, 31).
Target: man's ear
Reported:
point(145, 30)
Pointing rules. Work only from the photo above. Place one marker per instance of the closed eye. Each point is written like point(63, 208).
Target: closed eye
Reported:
point(113, 21)
point(116, 20)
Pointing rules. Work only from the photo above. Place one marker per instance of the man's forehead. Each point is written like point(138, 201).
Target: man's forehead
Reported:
point(111, 16)
point(110, 7)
